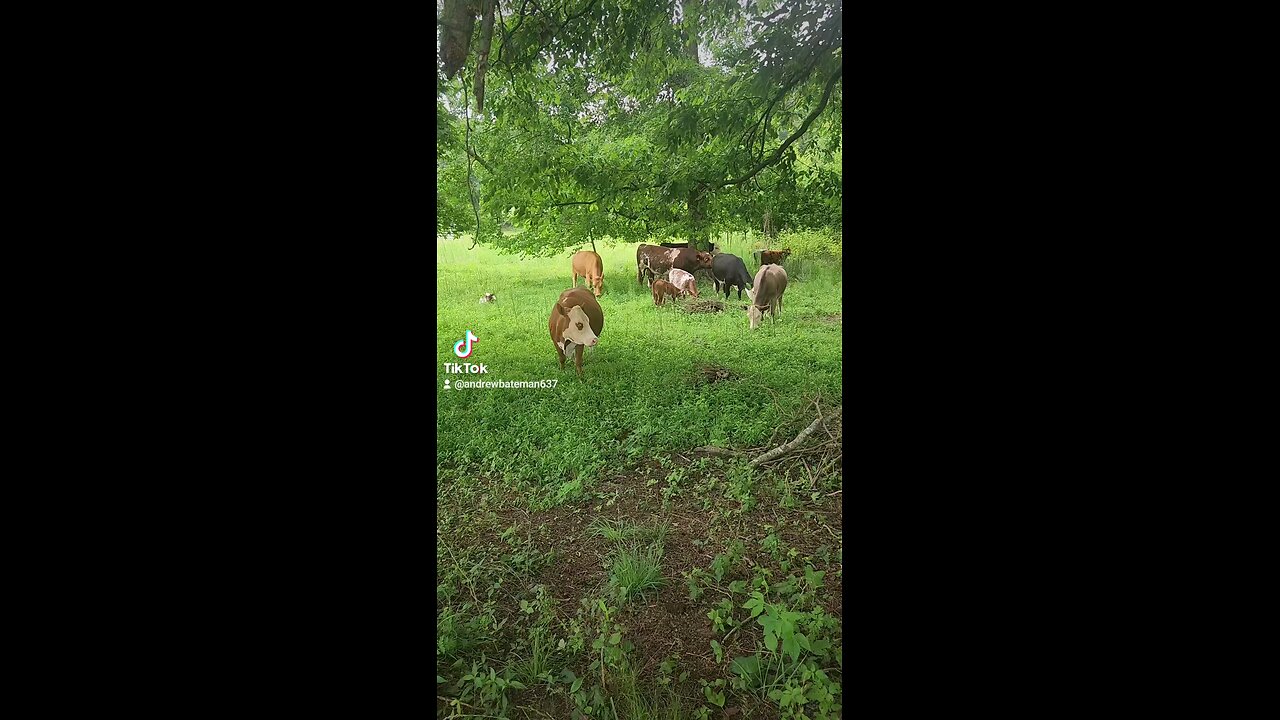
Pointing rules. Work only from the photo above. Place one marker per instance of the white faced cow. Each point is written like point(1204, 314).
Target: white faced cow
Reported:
point(576, 322)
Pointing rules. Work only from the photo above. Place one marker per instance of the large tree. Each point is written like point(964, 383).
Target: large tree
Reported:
point(585, 118)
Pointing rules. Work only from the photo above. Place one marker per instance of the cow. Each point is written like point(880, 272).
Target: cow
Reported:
point(684, 281)
point(653, 261)
point(662, 290)
point(576, 322)
point(771, 282)
point(487, 298)
point(773, 257)
point(728, 271)
point(587, 264)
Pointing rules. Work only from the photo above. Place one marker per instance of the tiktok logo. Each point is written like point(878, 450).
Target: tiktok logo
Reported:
point(461, 351)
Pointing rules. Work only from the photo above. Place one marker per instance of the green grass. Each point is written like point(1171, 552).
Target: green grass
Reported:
point(636, 571)
point(551, 502)
point(640, 392)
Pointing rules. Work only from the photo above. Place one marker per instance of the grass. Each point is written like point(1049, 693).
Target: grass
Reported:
point(637, 394)
point(636, 571)
point(591, 563)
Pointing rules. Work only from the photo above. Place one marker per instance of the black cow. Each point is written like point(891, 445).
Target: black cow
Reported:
point(729, 270)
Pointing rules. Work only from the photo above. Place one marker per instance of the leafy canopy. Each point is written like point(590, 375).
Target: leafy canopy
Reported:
point(635, 119)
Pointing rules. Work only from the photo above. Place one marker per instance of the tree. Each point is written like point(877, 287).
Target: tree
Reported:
point(633, 119)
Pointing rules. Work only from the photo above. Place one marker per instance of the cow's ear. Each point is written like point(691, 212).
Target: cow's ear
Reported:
point(560, 310)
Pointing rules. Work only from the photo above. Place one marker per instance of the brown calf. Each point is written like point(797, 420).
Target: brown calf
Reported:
point(588, 265)
point(662, 290)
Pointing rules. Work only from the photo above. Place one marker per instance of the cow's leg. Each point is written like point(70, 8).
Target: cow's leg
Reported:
point(560, 357)
point(577, 359)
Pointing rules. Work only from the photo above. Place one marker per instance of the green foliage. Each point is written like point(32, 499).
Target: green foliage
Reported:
point(599, 123)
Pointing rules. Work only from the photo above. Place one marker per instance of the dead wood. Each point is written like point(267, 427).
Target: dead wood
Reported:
point(799, 439)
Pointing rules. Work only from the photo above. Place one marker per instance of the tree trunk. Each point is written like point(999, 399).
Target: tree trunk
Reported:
point(699, 237)
point(457, 20)
point(691, 10)
point(486, 39)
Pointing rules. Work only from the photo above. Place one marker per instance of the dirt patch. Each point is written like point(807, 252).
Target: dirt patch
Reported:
point(712, 373)
point(702, 305)
point(833, 319)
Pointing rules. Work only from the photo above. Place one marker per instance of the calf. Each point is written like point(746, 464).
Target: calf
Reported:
point(684, 281)
point(654, 261)
point(662, 290)
point(488, 298)
point(771, 282)
point(576, 322)
point(729, 270)
point(588, 265)
point(774, 257)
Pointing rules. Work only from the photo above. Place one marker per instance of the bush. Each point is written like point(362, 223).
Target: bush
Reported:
point(819, 244)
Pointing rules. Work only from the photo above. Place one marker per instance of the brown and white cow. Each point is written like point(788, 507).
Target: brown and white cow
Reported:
point(770, 283)
point(587, 264)
point(663, 290)
point(653, 261)
point(576, 322)
point(684, 281)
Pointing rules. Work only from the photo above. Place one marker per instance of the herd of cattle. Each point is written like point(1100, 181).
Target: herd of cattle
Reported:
point(577, 318)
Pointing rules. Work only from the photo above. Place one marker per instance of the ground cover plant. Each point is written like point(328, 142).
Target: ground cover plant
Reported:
point(606, 548)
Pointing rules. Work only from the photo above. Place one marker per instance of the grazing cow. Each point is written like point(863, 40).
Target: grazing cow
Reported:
point(576, 322)
point(588, 265)
point(774, 257)
point(729, 270)
point(771, 282)
point(684, 281)
point(654, 261)
point(488, 298)
point(662, 290)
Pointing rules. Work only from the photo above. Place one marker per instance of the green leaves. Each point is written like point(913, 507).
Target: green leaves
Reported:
point(755, 604)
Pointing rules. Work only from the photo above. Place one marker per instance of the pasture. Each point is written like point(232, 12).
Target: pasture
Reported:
point(594, 558)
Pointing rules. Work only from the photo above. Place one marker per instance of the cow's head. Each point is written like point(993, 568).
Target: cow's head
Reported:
point(704, 259)
point(597, 285)
point(756, 314)
point(578, 330)
point(691, 288)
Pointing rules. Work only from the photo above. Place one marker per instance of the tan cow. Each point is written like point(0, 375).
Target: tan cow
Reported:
point(770, 283)
point(588, 265)
point(576, 322)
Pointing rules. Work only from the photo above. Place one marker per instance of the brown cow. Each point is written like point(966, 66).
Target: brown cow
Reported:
point(662, 290)
point(588, 265)
point(771, 282)
point(654, 261)
point(576, 322)
point(774, 257)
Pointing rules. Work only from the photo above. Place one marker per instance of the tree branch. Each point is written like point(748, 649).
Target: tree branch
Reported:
point(804, 127)
point(485, 165)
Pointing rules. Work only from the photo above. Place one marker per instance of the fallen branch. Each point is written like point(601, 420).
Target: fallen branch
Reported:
point(783, 449)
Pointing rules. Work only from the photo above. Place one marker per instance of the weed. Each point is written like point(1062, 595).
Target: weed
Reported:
point(636, 570)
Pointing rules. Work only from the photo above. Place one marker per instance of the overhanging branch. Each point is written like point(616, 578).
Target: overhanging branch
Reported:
point(804, 127)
